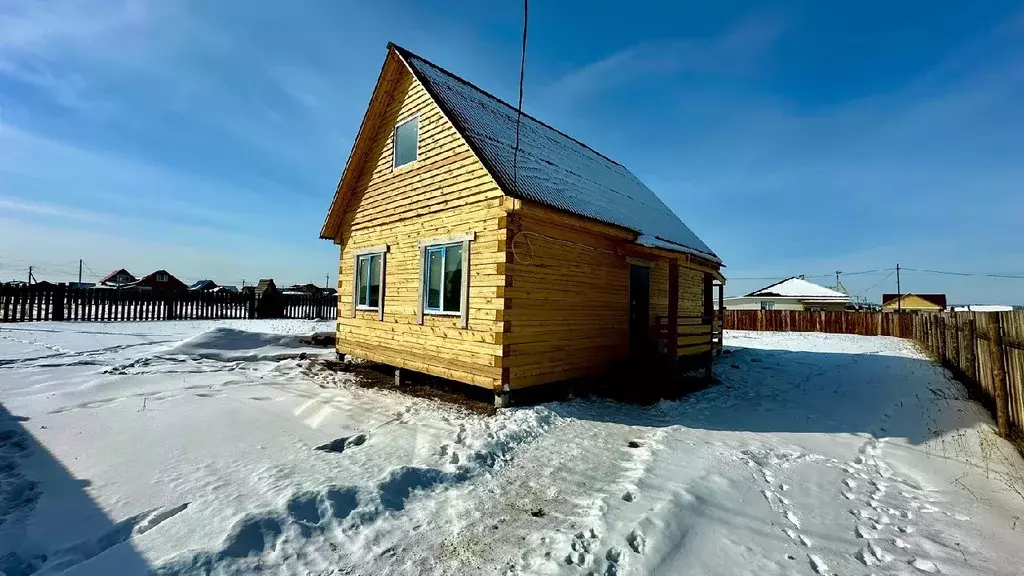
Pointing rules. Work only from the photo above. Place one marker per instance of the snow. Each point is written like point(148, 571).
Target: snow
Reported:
point(799, 288)
point(983, 308)
point(223, 447)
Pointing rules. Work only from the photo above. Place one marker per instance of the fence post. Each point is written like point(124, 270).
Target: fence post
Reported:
point(999, 384)
point(972, 351)
point(251, 305)
point(57, 307)
point(955, 342)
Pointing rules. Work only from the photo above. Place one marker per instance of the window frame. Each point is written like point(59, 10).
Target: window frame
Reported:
point(440, 310)
point(767, 305)
point(394, 143)
point(425, 247)
point(382, 252)
point(163, 277)
point(369, 281)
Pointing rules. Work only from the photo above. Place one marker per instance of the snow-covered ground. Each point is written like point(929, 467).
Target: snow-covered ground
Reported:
point(190, 448)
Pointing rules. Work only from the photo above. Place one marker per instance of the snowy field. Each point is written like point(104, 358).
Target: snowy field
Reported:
point(190, 448)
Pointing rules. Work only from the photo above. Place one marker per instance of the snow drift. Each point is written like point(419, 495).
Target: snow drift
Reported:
point(234, 345)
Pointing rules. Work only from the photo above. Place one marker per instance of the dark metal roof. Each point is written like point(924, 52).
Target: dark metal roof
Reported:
point(553, 168)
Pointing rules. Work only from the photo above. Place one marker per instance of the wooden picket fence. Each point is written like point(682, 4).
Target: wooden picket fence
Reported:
point(62, 303)
point(985, 350)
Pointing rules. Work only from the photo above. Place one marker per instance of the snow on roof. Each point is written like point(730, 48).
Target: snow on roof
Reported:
point(553, 168)
point(799, 288)
point(983, 308)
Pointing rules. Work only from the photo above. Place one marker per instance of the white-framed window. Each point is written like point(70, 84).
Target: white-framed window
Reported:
point(767, 305)
point(406, 142)
point(161, 277)
point(368, 275)
point(369, 269)
point(444, 277)
point(442, 281)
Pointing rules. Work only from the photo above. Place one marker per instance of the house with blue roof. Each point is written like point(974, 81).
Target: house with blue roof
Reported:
point(483, 245)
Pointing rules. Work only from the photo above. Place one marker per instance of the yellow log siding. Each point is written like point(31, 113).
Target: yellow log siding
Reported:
point(447, 191)
point(911, 302)
point(567, 300)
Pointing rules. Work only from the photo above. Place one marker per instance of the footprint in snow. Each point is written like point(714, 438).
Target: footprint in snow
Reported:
point(817, 564)
point(339, 445)
point(793, 518)
point(637, 541)
point(924, 565)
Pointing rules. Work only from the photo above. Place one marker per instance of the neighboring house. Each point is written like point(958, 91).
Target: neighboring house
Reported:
point(983, 308)
point(265, 285)
point(303, 289)
point(793, 293)
point(914, 302)
point(159, 281)
point(465, 259)
point(117, 279)
point(231, 289)
point(203, 285)
point(81, 285)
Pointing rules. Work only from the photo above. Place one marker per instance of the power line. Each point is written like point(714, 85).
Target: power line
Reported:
point(806, 276)
point(975, 274)
point(519, 111)
point(887, 276)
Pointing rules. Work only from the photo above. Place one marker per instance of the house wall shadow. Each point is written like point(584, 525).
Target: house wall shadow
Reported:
point(760, 390)
point(42, 505)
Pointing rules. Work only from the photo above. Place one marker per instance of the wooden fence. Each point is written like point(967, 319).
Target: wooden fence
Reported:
point(983, 349)
point(62, 303)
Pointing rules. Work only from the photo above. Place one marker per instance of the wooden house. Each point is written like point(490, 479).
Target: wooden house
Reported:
point(469, 258)
point(203, 286)
point(914, 302)
point(794, 293)
point(159, 281)
point(117, 279)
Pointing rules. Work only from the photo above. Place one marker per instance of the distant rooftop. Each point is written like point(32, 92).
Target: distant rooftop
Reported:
point(797, 287)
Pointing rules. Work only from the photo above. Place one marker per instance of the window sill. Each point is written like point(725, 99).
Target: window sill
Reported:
point(403, 167)
point(441, 313)
point(367, 309)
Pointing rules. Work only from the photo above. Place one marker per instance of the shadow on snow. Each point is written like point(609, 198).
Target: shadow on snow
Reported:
point(44, 510)
point(761, 390)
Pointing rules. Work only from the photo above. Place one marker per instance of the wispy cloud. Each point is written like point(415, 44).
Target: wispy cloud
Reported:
point(737, 51)
point(11, 204)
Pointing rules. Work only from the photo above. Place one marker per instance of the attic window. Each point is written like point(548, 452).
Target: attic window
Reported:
point(121, 279)
point(161, 277)
point(406, 146)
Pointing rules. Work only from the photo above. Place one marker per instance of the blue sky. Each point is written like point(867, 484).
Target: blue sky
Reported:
point(795, 138)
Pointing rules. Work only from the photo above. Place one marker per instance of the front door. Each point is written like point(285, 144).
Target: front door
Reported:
point(639, 307)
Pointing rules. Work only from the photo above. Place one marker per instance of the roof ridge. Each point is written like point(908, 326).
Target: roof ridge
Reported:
point(405, 53)
point(754, 293)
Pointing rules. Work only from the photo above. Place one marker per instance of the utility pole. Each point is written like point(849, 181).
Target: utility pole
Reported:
point(327, 281)
point(29, 274)
point(899, 292)
point(79, 272)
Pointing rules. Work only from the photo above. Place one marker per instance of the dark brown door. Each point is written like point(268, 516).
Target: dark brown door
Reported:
point(639, 307)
